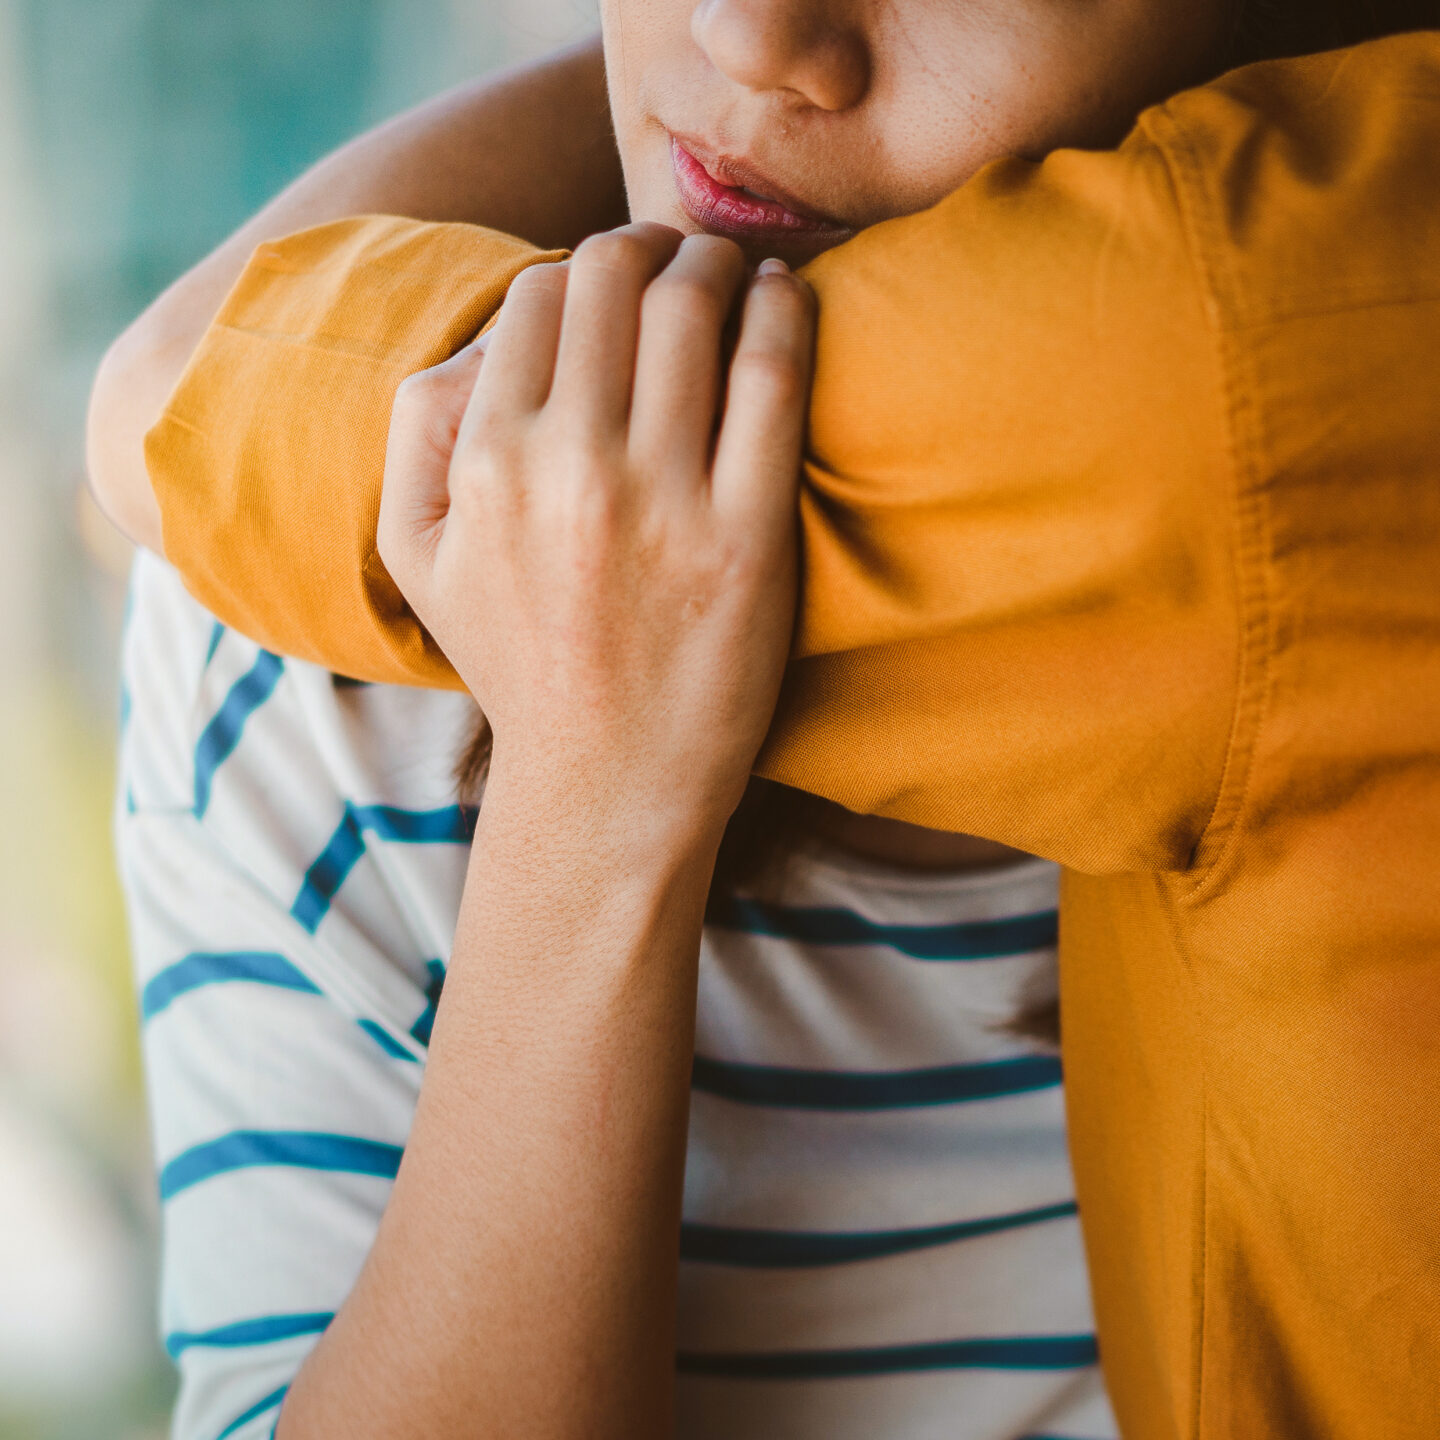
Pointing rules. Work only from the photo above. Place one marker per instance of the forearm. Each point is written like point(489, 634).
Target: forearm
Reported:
point(522, 1283)
point(529, 152)
point(623, 623)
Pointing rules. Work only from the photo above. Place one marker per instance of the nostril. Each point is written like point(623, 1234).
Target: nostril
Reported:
point(801, 46)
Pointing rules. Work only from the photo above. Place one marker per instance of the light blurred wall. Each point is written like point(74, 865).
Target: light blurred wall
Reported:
point(134, 134)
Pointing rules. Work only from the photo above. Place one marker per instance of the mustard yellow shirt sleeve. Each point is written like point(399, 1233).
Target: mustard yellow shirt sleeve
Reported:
point(1020, 602)
point(268, 459)
point(1018, 615)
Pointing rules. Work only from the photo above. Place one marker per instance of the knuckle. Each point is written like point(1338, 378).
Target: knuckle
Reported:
point(714, 250)
point(538, 281)
point(487, 455)
point(563, 437)
point(417, 391)
point(583, 493)
point(594, 510)
point(613, 252)
point(584, 521)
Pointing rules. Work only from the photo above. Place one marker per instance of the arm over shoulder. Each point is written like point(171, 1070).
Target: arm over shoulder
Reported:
point(1110, 455)
point(1021, 601)
point(1047, 417)
point(1016, 419)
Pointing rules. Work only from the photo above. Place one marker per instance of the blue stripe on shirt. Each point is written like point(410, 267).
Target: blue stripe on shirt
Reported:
point(824, 925)
point(448, 825)
point(263, 967)
point(872, 1090)
point(220, 737)
point(263, 1330)
point(425, 1021)
point(301, 1149)
point(385, 1040)
point(269, 1402)
point(790, 1249)
point(1030, 1352)
point(327, 874)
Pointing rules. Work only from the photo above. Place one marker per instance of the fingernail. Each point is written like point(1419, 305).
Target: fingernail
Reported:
point(773, 267)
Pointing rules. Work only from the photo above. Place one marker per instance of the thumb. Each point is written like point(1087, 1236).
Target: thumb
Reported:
point(424, 422)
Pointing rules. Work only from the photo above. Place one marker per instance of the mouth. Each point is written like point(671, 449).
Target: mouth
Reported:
point(727, 197)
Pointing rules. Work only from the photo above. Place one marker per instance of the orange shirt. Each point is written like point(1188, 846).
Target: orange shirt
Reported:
point(1122, 545)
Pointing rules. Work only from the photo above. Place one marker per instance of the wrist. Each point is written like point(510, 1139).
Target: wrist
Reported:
point(566, 872)
point(583, 816)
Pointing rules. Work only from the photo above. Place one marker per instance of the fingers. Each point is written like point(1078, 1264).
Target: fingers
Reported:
point(425, 421)
point(520, 350)
point(677, 369)
point(757, 457)
point(595, 367)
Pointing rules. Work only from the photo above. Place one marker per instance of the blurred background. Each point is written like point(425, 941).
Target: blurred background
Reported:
point(134, 134)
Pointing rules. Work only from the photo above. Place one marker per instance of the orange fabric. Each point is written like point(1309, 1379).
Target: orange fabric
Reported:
point(325, 325)
point(1122, 545)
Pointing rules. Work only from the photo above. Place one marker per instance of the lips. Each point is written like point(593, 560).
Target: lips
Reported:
point(720, 197)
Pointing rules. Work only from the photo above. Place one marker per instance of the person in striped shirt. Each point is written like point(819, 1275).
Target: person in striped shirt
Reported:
point(879, 1233)
point(862, 1155)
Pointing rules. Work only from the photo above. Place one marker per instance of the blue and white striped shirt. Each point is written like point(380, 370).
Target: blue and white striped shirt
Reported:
point(880, 1236)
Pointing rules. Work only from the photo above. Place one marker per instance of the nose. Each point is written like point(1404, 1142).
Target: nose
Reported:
point(810, 48)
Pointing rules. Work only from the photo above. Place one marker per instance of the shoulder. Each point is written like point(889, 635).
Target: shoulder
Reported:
point(204, 706)
point(332, 805)
point(1309, 184)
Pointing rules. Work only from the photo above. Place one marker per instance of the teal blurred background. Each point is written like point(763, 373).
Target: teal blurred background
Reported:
point(134, 134)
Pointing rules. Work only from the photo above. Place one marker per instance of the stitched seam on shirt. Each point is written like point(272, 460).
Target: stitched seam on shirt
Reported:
point(1217, 839)
point(1220, 840)
point(272, 259)
point(1202, 237)
point(1203, 1246)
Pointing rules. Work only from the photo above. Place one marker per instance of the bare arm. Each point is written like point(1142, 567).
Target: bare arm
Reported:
point(523, 1280)
point(621, 606)
point(529, 152)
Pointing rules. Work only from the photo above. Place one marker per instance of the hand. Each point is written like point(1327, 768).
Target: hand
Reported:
point(613, 580)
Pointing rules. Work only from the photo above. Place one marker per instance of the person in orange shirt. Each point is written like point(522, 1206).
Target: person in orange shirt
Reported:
point(1120, 541)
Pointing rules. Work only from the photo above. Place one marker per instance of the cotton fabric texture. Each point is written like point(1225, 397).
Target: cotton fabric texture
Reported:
point(1122, 545)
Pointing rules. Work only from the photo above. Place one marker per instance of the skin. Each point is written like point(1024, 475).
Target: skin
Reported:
point(868, 109)
point(523, 1280)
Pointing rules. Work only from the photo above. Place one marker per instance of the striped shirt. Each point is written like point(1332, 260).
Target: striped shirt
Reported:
point(879, 1236)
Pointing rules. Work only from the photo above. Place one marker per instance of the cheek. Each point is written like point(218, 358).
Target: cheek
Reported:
point(962, 86)
point(645, 40)
point(955, 86)
point(933, 126)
